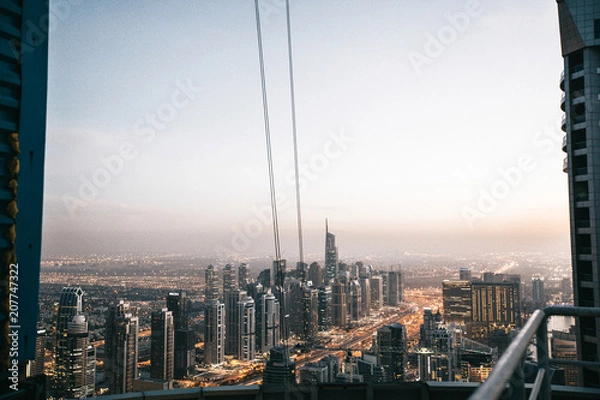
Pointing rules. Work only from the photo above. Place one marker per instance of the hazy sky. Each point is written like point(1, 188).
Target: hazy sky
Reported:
point(422, 126)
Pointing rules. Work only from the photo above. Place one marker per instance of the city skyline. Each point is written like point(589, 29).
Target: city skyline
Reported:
point(410, 117)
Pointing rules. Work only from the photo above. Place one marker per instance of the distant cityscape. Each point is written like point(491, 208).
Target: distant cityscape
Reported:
point(113, 325)
point(334, 323)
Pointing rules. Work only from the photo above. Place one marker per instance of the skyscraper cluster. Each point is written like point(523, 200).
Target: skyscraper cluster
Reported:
point(444, 354)
point(488, 308)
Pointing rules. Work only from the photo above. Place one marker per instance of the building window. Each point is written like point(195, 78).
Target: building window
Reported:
point(597, 29)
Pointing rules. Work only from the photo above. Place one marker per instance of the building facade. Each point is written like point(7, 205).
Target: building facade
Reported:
point(580, 47)
point(214, 333)
point(331, 256)
point(458, 303)
point(70, 304)
point(162, 345)
point(391, 351)
point(121, 347)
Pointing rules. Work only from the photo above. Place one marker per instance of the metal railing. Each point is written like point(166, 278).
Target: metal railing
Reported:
point(509, 368)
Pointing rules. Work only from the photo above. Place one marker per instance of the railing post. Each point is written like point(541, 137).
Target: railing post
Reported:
point(541, 341)
point(517, 383)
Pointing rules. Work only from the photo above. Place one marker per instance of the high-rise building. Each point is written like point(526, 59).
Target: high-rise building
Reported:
point(331, 255)
point(324, 307)
point(354, 298)
point(304, 304)
point(385, 288)
point(232, 321)
point(211, 282)
point(184, 357)
point(243, 276)
point(247, 327)
point(497, 303)
point(177, 303)
point(267, 322)
point(365, 271)
point(566, 289)
point(376, 283)
point(280, 370)
point(229, 281)
point(465, 274)
point(365, 294)
point(339, 305)
point(37, 365)
point(279, 272)
point(391, 351)
point(579, 22)
point(162, 345)
point(214, 332)
point(537, 291)
point(79, 381)
point(315, 274)
point(24, 81)
point(70, 304)
point(458, 302)
point(395, 288)
point(121, 347)
point(295, 309)
point(429, 326)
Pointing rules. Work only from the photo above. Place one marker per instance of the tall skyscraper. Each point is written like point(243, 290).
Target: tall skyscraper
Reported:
point(121, 347)
point(304, 312)
point(354, 298)
point(324, 307)
point(331, 255)
point(243, 276)
point(339, 305)
point(537, 291)
point(391, 351)
point(229, 281)
point(24, 80)
point(162, 345)
point(70, 304)
point(247, 329)
point(80, 378)
point(315, 274)
point(365, 293)
point(211, 281)
point(566, 288)
point(37, 365)
point(177, 303)
point(184, 357)
point(395, 288)
point(458, 302)
point(580, 37)
point(267, 322)
point(279, 272)
point(232, 321)
point(376, 283)
point(214, 333)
